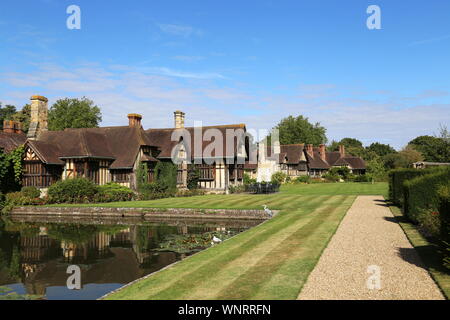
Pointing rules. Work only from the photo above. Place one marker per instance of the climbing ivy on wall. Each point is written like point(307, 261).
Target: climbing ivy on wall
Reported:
point(11, 169)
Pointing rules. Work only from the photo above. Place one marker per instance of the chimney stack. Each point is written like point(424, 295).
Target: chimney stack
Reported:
point(39, 117)
point(134, 120)
point(310, 150)
point(342, 150)
point(179, 119)
point(322, 152)
point(10, 126)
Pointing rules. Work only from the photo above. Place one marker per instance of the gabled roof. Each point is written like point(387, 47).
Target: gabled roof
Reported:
point(316, 162)
point(293, 152)
point(118, 144)
point(163, 139)
point(10, 141)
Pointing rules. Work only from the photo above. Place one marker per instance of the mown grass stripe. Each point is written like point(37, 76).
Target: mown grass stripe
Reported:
point(247, 285)
point(188, 269)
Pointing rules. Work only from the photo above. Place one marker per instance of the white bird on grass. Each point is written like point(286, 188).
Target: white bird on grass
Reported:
point(216, 240)
point(268, 211)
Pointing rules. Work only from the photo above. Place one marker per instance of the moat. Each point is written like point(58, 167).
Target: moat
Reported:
point(35, 252)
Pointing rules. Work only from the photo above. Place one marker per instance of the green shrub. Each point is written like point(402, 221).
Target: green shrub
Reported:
point(31, 192)
point(247, 180)
point(75, 190)
point(302, 179)
point(16, 199)
point(236, 189)
point(190, 193)
point(278, 177)
point(330, 177)
point(113, 192)
point(166, 176)
point(155, 190)
point(342, 172)
point(193, 177)
point(362, 178)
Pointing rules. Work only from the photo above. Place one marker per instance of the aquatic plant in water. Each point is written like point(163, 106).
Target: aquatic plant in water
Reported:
point(188, 243)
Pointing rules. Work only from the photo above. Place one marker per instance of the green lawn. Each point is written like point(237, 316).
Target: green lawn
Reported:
point(270, 261)
point(246, 201)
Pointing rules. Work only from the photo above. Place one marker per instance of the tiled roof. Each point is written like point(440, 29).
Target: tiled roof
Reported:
point(10, 141)
point(166, 142)
point(119, 144)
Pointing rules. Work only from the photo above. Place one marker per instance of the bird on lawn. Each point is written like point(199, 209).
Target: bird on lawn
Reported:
point(268, 211)
point(216, 240)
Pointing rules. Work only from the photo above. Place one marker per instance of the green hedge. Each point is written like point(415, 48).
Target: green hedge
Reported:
point(427, 202)
point(113, 192)
point(422, 195)
point(398, 177)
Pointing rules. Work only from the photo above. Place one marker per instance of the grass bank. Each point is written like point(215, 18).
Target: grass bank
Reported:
point(270, 261)
point(427, 250)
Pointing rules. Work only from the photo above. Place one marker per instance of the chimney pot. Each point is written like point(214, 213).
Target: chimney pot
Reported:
point(134, 120)
point(179, 119)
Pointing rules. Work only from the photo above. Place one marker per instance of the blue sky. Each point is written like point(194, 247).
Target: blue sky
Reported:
point(251, 62)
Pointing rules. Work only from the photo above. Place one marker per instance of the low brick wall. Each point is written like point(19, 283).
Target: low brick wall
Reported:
point(142, 212)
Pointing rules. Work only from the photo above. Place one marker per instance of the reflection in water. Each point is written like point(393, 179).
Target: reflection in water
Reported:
point(34, 255)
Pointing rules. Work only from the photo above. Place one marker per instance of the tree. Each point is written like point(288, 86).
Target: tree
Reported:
point(434, 149)
point(376, 169)
point(402, 159)
point(333, 146)
point(351, 143)
point(294, 130)
point(381, 149)
point(73, 113)
point(5, 113)
point(23, 116)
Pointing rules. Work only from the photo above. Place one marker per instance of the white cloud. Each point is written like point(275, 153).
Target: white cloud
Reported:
point(157, 92)
point(180, 30)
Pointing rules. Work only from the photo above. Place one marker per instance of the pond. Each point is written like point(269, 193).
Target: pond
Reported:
point(35, 252)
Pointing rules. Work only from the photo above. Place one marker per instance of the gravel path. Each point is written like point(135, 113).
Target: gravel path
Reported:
point(369, 236)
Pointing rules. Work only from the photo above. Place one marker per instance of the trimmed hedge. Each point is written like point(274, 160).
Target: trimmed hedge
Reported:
point(422, 195)
point(113, 192)
point(396, 179)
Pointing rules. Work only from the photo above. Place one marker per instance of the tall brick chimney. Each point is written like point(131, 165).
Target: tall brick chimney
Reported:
point(134, 120)
point(310, 150)
point(322, 152)
point(342, 150)
point(39, 117)
point(179, 119)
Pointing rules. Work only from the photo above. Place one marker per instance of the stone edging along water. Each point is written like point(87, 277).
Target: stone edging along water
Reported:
point(176, 262)
point(141, 212)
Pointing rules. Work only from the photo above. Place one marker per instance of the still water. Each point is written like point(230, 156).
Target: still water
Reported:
point(36, 252)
